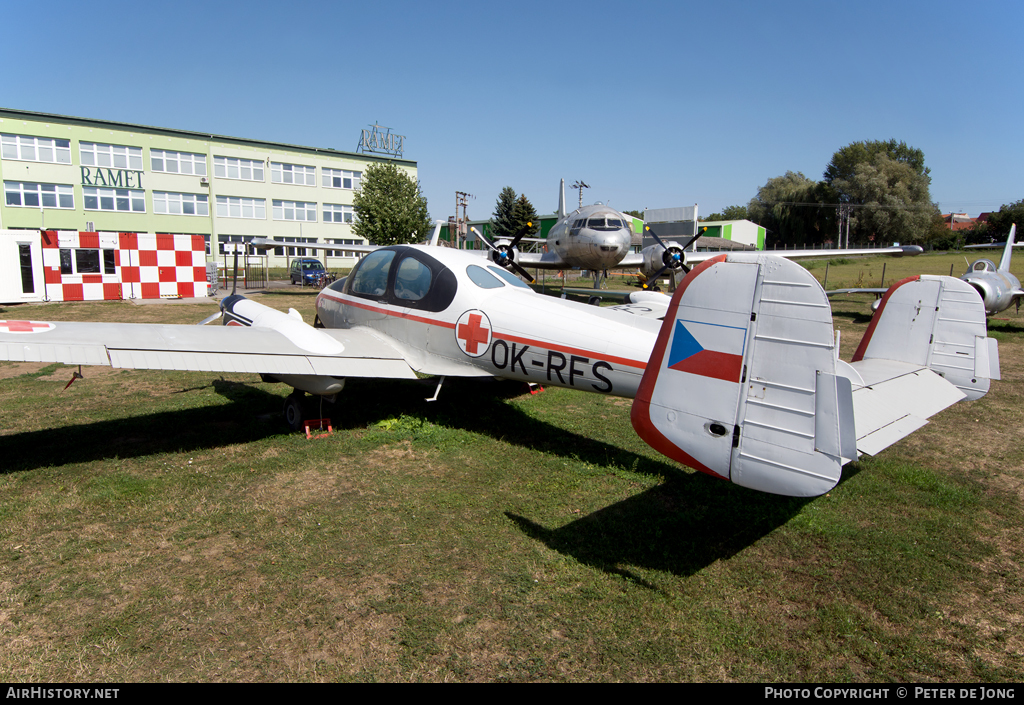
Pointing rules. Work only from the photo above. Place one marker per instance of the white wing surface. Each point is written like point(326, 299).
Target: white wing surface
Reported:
point(354, 353)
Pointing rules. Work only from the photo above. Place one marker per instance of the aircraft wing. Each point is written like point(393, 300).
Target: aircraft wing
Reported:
point(339, 353)
point(836, 292)
point(541, 260)
point(895, 251)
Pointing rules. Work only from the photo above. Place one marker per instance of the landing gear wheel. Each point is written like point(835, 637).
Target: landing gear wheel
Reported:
point(294, 414)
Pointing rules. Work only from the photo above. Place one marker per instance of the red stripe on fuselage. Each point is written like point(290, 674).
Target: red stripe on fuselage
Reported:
point(494, 334)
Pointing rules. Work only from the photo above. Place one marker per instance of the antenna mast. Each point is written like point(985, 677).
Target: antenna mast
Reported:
point(580, 185)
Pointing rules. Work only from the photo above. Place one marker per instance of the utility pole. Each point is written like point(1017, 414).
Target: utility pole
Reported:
point(580, 185)
point(459, 240)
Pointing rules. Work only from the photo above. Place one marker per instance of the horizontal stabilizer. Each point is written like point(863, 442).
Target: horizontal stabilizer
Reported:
point(896, 399)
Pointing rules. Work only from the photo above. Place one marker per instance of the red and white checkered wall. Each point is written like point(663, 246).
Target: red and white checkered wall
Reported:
point(146, 266)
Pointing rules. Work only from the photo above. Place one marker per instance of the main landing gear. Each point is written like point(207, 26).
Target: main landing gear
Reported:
point(294, 410)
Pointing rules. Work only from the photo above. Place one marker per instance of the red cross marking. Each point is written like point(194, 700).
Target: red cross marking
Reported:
point(474, 334)
point(23, 326)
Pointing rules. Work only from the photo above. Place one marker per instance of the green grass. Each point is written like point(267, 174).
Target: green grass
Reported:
point(165, 526)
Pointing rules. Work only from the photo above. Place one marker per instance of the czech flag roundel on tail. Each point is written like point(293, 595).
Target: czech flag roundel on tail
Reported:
point(708, 349)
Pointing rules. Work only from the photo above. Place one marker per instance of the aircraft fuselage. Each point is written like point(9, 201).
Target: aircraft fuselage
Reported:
point(475, 319)
point(592, 237)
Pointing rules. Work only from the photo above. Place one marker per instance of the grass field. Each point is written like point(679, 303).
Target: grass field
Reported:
point(166, 527)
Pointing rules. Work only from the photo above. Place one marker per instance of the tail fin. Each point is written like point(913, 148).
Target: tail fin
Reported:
point(1004, 263)
point(561, 200)
point(744, 382)
point(934, 322)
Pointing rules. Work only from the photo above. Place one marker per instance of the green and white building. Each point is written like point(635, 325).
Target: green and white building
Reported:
point(67, 173)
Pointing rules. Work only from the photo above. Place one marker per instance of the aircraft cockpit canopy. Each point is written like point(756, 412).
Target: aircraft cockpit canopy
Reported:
point(604, 224)
point(983, 265)
point(403, 276)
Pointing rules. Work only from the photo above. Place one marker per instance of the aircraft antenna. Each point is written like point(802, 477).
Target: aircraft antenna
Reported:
point(580, 185)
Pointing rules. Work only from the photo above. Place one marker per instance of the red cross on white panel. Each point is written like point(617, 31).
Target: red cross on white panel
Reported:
point(473, 333)
point(24, 326)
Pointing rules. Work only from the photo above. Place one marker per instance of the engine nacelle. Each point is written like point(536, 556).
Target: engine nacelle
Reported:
point(240, 311)
point(503, 252)
point(657, 257)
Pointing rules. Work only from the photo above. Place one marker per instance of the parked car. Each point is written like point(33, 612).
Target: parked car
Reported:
point(306, 270)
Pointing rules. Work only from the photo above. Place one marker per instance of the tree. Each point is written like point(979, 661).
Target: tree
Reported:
point(999, 222)
point(729, 213)
point(390, 208)
point(524, 213)
point(844, 162)
point(892, 195)
point(789, 208)
point(503, 220)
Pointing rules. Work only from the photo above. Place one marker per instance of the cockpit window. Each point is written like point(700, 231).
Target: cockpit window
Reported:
point(984, 265)
point(412, 282)
point(482, 278)
point(509, 277)
point(604, 224)
point(371, 276)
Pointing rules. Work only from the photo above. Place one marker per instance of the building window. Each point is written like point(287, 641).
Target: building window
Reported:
point(86, 261)
point(28, 285)
point(297, 251)
point(336, 178)
point(294, 210)
point(178, 162)
point(181, 203)
point(231, 168)
point(337, 213)
point(110, 155)
point(292, 174)
point(109, 199)
point(29, 195)
point(36, 149)
point(222, 239)
point(234, 207)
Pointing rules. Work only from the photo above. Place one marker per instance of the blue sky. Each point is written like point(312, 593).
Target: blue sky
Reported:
point(654, 104)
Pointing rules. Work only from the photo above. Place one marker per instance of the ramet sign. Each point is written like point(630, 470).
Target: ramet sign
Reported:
point(119, 178)
point(379, 140)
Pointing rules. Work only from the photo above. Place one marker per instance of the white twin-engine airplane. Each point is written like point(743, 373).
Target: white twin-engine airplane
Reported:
point(741, 380)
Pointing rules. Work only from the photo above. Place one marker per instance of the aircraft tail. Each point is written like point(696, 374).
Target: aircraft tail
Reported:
point(1004, 263)
point(745, 384)
point(561, 200)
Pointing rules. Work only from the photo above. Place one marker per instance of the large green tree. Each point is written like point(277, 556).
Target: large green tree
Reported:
point(503, 223)
point(844, 162)
point(789, 208)
point(999, 222)
point(891, 200)
point(525, 217)
point(390, 208)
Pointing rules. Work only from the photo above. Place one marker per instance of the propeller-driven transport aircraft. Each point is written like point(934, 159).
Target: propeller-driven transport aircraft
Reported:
point(741, 379)
point(997, 287)
point(599, 237)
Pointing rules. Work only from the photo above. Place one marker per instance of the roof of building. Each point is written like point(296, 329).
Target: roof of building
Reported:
point(190, 134)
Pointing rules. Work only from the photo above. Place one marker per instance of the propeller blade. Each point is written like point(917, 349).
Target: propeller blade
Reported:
point(211, 319)
point(653, 280)
point(512, 263)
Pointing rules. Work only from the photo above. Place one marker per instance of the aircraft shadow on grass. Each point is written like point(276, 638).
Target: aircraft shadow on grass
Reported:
point(253, 413)
point(681, 526)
